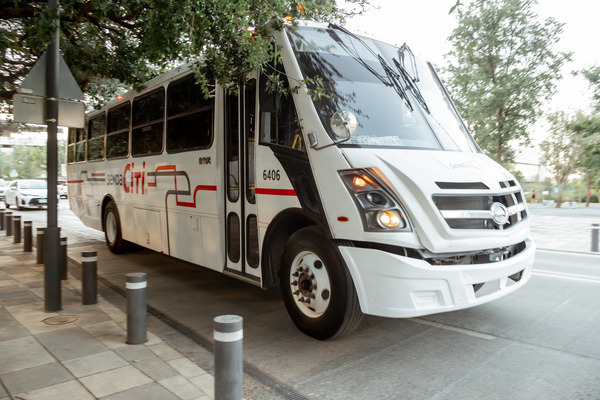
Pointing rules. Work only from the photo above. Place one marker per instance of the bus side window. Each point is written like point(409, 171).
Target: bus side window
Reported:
point(117, 140)
point(72, 139)
point(148, 118)
point(96, 134)
point(189, 116)
point(278, 119)
point(80, 137)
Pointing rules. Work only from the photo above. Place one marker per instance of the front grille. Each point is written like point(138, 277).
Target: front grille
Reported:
point(474, 211)
point(37, 202)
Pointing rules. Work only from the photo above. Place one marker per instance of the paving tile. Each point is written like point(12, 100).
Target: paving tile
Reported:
point(206, 383)
point(114, 341)
point(36, 378)
point(182, 387)
point(135, 352)
point(76, 349)
point(71, 390)
point(10, 332)
point(95, 363)
point(114, 381)
point(104, 328)
point(165, 351)
point(186, 367)
point(151, 391)
point(22, 353)
point(155, 368)
point(3, 393)
point(68, 335)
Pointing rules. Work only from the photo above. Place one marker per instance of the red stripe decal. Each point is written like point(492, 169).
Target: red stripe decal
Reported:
point(193, 203)
point(99, 174)
point(276, 192)
point(75, 181)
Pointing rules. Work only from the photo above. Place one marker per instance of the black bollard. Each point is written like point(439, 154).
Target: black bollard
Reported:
point(136, 308)
point(27, 237)
point(17, 229)
point(89, 277)
point(228, 335)
point(62, 258)
point(2, 219)
point(39, 244)
point(9, 223)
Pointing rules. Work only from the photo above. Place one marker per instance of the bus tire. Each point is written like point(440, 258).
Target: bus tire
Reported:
point(112, 230)
point(316, 286)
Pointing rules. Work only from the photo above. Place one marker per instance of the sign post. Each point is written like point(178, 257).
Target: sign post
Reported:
point(50, 95)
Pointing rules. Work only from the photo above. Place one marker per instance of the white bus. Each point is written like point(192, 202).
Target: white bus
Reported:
point(372, 198)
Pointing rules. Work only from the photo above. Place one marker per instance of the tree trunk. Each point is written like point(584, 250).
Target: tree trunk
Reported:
point(561, 185)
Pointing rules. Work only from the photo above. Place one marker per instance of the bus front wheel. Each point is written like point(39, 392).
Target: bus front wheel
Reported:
point(317, 288)
point(112, 230)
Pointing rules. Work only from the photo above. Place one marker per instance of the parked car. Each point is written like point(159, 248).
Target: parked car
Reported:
point(3, 188)
point(26, 193)
point(63, 191)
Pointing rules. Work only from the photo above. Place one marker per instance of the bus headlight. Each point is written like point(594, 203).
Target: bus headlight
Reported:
point(379, 209)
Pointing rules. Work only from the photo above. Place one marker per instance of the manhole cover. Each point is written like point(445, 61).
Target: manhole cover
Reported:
point(60, 320)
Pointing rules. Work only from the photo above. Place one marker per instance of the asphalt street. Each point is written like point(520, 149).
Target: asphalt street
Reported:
point(539, 342)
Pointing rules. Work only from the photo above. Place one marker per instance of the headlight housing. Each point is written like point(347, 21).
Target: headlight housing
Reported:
point(380, 211)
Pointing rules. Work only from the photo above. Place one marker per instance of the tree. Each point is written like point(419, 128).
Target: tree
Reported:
point(587, 127)
point(134, 40)
point(562, 150)
point(502, 67)
point(593, 76)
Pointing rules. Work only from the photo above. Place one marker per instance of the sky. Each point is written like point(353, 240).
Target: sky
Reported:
point(425, 25)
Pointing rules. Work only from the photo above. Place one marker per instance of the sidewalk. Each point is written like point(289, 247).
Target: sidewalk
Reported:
point(80, 352)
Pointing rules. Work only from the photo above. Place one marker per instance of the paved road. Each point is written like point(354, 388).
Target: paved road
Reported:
point(540, 342)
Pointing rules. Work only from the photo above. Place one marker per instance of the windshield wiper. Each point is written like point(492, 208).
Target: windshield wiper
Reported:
point(411, 81)
point(390, 78)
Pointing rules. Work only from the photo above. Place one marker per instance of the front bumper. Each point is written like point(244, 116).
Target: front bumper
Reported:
point(390, 285)
point(34, 202)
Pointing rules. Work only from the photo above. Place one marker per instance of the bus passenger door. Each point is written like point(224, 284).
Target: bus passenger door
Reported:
point(241, 230)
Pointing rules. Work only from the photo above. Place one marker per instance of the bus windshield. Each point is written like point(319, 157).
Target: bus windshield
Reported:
point(397, 98)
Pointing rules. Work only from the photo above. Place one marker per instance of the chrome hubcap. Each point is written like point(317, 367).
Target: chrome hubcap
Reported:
point(309, 284)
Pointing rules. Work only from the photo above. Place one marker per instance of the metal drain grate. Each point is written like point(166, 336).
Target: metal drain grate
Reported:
point(60, 320)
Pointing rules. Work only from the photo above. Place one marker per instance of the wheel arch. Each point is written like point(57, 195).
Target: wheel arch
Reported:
point(283, 225)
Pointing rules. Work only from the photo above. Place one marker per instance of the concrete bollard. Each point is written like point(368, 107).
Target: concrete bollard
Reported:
point(595, 237)
point(62, 258)
point(17, 229)
point(2, 219)
point(136, 308)
point(9, 223)
point(89, 277)
point(27, 237)
point(228, 335)
point(39, 245)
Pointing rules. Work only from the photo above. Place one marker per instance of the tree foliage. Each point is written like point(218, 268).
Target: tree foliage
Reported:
point(134, 40)
point(501, 68)
point(593, 77)
point(587, 127)
point(562, 149)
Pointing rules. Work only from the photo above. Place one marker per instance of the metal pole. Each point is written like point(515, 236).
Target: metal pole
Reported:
point(9, 223)
point(39, 243)
point(62, 258)
point(17, 229)
point(2, 219)
point(228, 335)
point(595, 235)
point(89, 277)
point(27, 237)
point(136, 308)
point(52, 288)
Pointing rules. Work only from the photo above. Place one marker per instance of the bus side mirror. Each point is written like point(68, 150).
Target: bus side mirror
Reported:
point(342, 123)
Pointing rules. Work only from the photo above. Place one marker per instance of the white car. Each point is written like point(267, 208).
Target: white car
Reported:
point(3, 188)
point(63, 191)
point(26, 193)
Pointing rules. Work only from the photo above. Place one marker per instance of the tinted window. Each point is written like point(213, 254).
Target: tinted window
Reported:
point(117, 140)
point(190, 117)
point(148, 121)
point(278, 120)
point(97, 126)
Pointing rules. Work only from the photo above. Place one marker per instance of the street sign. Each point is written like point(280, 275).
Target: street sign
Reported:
point(32, 109)
point(35, 81)
point(29, 105)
